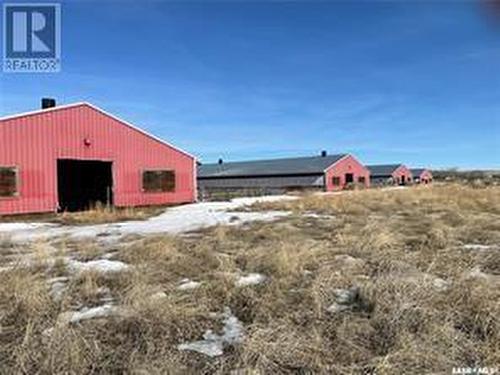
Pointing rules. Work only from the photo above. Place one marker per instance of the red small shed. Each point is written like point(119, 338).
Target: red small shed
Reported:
point(395, 174)
point(421, 175)
point(74, 156)
point(345, 172)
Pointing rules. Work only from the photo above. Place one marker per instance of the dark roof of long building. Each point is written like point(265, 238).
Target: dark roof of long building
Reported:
point(417, 171)
point(276, 167)
point(382, 169)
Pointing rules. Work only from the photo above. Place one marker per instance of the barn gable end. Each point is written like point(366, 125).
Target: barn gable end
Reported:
point(37, 142)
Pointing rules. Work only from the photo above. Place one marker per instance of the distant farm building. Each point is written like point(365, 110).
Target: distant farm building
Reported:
point(421, 175)
point(389, 174)
point(325, 172)
point(75, 156)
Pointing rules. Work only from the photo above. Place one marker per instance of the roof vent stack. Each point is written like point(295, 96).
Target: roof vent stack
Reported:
point(48, 103)
point(323, 153)
point(220, 161)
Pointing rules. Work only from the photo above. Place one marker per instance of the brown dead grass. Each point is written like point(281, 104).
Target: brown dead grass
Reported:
point(100, 214)
point(389, 244)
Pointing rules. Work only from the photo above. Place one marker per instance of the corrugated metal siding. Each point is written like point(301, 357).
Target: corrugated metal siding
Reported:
point(402, 171)
point(423, 175)
point(348, 164)
point(394, 177)
point(34, 143)
point(262, 182)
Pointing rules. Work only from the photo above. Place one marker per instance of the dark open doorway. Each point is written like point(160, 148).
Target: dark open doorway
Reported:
point(349, 178)
point(403, 180)
point(82, 184)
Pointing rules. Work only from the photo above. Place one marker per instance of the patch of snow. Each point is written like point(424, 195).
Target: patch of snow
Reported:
point(187, 284)
point(158, 295)
point(346, 296)
point(58, 286)
point(213, 344)
point(100, 265)
point(441, 284)
point(314, 215)
point(14, 227)
point(87, 313)
point(345, 299)
point(247, 201)
point(477, 247)
point(337, 308)
point(250, 279)
point(186, 218)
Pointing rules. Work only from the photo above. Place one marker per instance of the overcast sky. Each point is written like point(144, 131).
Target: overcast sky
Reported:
point(417, 83)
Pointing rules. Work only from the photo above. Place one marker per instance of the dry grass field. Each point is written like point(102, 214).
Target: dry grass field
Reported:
point(403, 281)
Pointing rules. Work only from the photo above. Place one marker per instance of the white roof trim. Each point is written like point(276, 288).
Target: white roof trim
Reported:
point(37, 111)
point(67, 106)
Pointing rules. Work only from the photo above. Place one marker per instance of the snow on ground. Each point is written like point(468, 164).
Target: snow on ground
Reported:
point(314, 215)
point(174, 220)
point(213, 344)
point(187, 284)
point(250, 279)
point(345, 299)
point(13, 227)
point(58, 286)
point(99, 265)
point(473, 246)
point(87, 313)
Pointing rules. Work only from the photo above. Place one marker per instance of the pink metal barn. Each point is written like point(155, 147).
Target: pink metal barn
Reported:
point(397, 174)
point(421, 175)
point(402, 175)
point(71, 157)
point(346, 171)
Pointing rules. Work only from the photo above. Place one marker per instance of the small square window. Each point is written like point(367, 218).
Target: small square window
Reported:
point(362, 179)
point(8, 182)
point(158, 181)
point(336, 181)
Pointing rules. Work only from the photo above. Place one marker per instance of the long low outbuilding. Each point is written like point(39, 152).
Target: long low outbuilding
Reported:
point(389, 174)
point(325, 172)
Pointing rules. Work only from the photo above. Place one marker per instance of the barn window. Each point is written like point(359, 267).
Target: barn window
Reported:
point(158, 181)
point(8, 182)
point(361, 179)
point(336, 181)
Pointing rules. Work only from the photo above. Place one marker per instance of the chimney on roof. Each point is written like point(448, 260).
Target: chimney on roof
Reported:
point(48, 103)
point(323, 153)
point(220, 161)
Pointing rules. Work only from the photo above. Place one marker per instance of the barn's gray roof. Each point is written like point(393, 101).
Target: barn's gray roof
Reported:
point(417, 171)
point(382, 169)
point(276, 167)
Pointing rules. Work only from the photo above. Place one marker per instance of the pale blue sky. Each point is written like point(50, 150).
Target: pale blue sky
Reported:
point(417, 83)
